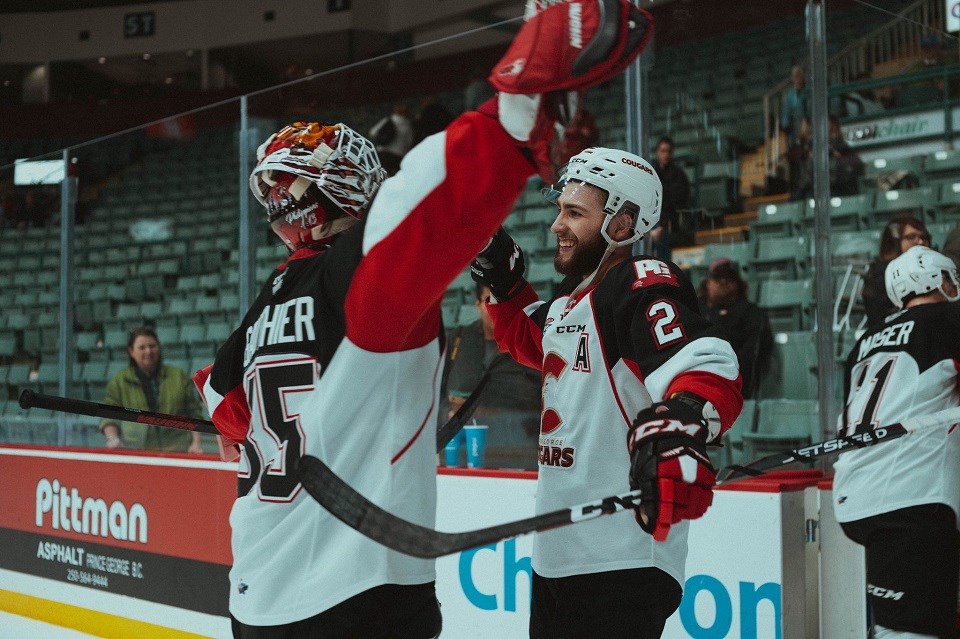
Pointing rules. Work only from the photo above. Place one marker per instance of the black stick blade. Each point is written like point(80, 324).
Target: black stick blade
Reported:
point(404, 536)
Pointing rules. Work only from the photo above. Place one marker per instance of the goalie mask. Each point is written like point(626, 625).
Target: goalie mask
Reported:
point(630, 183)
point(919, 271)
point(315, 180)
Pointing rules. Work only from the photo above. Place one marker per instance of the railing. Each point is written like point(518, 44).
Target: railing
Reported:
point(897, 39)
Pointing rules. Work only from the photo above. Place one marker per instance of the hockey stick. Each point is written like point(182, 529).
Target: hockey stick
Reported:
point(830, 446)
point(448, 431)
point(30, 399)
point(367, 518)
point(370, 520)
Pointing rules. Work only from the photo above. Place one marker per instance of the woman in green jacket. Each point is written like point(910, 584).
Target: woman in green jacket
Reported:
point(148, 384)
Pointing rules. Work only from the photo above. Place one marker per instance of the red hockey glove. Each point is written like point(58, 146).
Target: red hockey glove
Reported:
point(572, 46)
point(669, 464)
point(536, 122)
point(499, 266)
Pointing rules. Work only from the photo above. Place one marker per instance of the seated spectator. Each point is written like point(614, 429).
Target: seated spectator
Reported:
point(951, 246)
point(149, 384)
point(800, 157)
point(510, 403)
point(432, 118)
point(479, 90)
point(393, 136)
point(580, 134)
point(899, 235)
point(846, 167)
point(723, 299)
point(673, 230)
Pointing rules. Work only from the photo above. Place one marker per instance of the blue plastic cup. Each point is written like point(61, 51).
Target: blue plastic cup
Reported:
point(451, 452)
point(476, 436)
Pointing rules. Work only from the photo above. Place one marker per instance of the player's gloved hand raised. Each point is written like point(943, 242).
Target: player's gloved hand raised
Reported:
point(669, 465)
point(563, 48)
point(499, 266)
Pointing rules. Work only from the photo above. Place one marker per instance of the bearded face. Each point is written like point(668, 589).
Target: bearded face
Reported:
point(579, 256)
point(580, 246)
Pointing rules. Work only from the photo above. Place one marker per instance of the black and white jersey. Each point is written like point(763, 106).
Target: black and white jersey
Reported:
point(906, 367)
point(339, 358)
point(634, 339)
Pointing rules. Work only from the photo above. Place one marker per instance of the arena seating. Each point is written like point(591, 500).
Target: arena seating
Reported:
point(184, 195)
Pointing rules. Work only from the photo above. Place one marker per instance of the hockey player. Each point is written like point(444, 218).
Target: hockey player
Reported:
point(635, 386)
point(901, 500)
point(339, 355)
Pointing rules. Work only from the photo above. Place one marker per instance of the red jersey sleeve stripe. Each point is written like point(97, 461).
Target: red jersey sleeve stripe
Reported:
point(426, 224)
point(723, 393)
point(515, 332)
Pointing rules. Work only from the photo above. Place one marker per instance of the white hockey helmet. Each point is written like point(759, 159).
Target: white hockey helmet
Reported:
point(315, 180)
point(629, 181)
point(918, 271)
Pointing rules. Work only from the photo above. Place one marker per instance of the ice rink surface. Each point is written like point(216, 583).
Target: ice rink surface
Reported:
point(17, 627)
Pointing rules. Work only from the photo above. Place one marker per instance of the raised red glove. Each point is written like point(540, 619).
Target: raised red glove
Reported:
point(669, 465)
point(572, 46)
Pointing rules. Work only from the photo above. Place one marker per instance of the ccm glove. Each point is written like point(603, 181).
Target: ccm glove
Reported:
point(499, 266)
point(669, 465)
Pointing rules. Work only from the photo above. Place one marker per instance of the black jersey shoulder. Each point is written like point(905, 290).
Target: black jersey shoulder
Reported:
point(928, 333)
point(644, 275)
point(317, 285)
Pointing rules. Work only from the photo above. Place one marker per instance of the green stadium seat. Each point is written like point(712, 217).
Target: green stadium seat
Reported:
point(792, 373)
point(781, 257)
point(788, 303)
point(846, 213)
point(468, 314)
point(166, 334)
point(218, 332)
point(948, 202)
point(908, 201)
point(782, 423)
point(880, 166)
point(192, 333)
point(779, 220)
point(740, 252)
point(450, 309)
point(942, 163)
point(848, 245)
point(732, 451)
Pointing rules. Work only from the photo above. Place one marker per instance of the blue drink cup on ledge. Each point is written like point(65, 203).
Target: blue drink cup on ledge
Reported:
point(451, 452)
point(476, 439)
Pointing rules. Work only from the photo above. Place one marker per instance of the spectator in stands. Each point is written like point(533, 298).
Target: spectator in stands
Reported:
point(393, 136)
point(479, 90)
point(432, 118)
point(673, 230)
point(800, 157)
point(951, 246)
point(795, 107)
point(580, 134)
point(149, 384)
point(846, 167)
point(899, 235)
point(723, 300)
point(511, 398)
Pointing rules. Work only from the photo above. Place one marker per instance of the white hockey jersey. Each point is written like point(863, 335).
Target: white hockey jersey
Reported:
point(634, 339)
point(339, 358)
point(907, 367)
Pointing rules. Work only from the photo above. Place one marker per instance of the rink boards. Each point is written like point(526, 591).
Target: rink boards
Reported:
point(138, 545)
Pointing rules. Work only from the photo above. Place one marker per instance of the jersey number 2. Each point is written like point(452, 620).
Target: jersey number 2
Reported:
point(274, 391)
point(664, 324)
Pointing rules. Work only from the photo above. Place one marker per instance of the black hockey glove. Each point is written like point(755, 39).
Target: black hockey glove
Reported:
point(499, 266)
point(669, 464)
